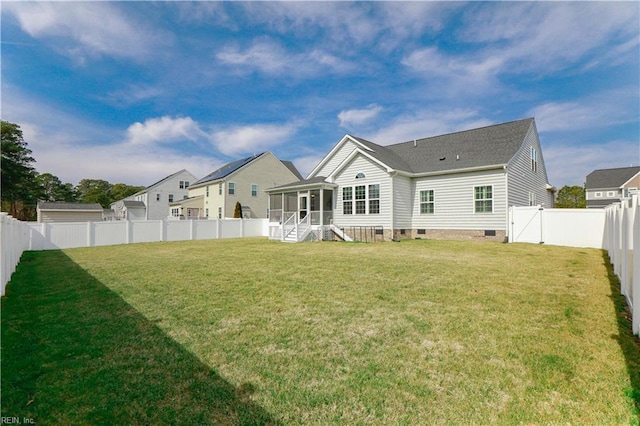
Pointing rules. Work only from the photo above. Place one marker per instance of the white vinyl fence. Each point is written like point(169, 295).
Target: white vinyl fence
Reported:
point(17, 236)
point(560, 227)
point(14, 239)
point(622, 241)
point(615, 228)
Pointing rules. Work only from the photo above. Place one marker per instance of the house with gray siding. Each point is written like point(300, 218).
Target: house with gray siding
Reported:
point(608, 186)
point(458, 185)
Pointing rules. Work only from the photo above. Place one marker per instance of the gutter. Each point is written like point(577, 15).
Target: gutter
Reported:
point(452, 171)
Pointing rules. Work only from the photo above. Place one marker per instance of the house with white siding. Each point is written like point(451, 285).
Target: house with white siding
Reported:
point(155, 198)
point(244, 181)
point(458, 185)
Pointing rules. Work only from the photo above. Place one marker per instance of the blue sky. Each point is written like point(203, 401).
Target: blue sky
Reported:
point(134, 91)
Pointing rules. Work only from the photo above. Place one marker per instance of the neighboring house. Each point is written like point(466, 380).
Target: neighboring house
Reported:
point(157, 197)
point(244, 181)
point(458, 185)
point(68, 212)
point(128, 209)
point(607, 186)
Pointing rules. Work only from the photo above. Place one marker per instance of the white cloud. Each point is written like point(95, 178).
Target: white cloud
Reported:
point(569, 163)
point(599, 110)
point(354, 117)
point(251, 139)
point(73, 149)
point(132, 94)
point(85, 29)
point(164, 129)
point(426, 123)
point(544, 37)
point(455, 75)
point(271, 58)
point(383, 25)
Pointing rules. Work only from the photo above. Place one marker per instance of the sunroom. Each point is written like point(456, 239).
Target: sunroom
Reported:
point(298, 209)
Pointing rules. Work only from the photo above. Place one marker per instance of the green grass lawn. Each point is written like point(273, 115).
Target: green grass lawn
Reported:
point(252, 331)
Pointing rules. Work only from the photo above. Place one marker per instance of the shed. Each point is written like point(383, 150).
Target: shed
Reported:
point(69, 212)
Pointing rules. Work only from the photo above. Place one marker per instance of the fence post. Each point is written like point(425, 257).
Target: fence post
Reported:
point(128, 231)
point(635, 284)
point(191, 229)
point(89, 232)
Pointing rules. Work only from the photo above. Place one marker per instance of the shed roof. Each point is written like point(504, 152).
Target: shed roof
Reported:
point(610, 178)
point(60, 205)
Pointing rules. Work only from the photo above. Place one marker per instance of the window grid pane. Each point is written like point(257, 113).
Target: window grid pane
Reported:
point(427, 205)
point(483, 199)
point(361, 193)
point(347, 193)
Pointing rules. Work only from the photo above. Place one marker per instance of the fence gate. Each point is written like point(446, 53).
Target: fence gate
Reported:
point(525, 225)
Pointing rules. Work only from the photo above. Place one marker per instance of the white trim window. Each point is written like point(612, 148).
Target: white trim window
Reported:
point(232, 188)
point(366, 197)
point(347, 200)
point(534, 159)
point(361, 199)
point(171, 198)
point(483, 199)
point(220, 188)
point(254, 190)
point(374, 198)
point(427, 202)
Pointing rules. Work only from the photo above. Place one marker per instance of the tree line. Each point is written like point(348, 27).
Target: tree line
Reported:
point(23, 186)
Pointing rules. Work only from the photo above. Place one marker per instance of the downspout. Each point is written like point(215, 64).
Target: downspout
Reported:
point(393, 195)
point(506, 195)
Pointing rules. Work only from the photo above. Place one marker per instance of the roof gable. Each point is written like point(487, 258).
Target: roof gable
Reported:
point(611, 178)
point(163, 180)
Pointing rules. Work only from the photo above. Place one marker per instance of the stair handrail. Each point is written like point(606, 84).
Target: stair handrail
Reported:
point(291, 222)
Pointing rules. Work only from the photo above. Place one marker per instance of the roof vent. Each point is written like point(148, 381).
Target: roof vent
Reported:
point(457, 157)
point(415, 143)
point(442, 158)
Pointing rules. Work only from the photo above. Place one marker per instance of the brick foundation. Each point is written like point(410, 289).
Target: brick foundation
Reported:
point(448, 234)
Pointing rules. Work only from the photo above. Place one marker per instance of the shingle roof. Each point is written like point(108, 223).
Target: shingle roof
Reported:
point(485, 146)
point(610, 178)
point(289, 165)
point(226, 170)
point(59, 205)
point(133, 204)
